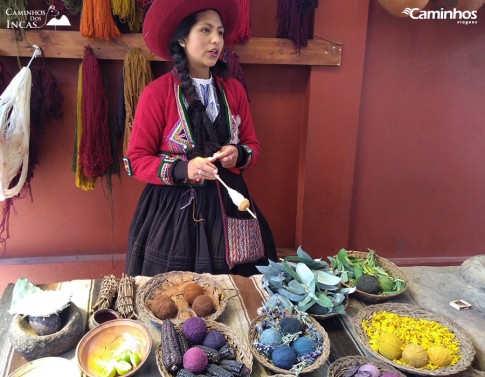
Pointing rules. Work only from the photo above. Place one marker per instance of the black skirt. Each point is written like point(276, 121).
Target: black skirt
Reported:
point(180, 228)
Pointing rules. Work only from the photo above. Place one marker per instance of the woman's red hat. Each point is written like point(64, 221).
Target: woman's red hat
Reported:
point(164, 16)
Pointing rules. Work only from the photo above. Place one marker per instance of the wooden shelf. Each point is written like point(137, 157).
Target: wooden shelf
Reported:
point(70, 45)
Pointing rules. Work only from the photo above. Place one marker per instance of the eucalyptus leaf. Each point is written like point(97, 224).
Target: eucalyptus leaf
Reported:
point(324, 300)
point(325, 287)
point(268, 270)
point(306, 304)
point(290, 270)
point(278, 301)
point(296, 288)
point(291, 296)
point(276, 265)
point(305, 274)
point(339, 309)
point(275, 281)
point(326, 278)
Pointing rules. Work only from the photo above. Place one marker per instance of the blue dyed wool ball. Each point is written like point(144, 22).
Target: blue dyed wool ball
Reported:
point(304, 346)
point(195, 360)
point(214, 339)
point(284, 357)
point(194, 330)
point(290, 325)
point(270, 337)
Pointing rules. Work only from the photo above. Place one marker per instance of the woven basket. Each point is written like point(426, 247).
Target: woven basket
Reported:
point(321, 317)
point(466, 347)
point(253, 334)
point(342, 365)
point(173, 284)
point(243, 354)
point(387, 265)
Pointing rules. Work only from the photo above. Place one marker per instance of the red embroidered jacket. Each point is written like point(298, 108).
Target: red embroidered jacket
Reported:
point(161, 136)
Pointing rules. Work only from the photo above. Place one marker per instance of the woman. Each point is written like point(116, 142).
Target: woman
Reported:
point(191, 126)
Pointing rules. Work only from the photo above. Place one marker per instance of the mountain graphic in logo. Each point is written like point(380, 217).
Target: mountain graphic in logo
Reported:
point(63, 21)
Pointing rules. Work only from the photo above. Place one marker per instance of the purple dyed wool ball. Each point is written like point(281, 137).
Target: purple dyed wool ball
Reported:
point(195, 360)
point(214, 339)
point(194, 330)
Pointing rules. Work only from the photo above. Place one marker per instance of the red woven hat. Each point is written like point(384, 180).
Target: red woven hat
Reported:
point(164, 16)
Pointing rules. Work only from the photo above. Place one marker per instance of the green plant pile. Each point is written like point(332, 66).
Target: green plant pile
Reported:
point(304, 282)
point(353, 270)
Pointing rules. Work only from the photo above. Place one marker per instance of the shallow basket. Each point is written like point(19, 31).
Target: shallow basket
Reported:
point(172, 284)
point(387, 265)
point(466, 347)
point(243, 354)
point(342, 365)
point(268, 364)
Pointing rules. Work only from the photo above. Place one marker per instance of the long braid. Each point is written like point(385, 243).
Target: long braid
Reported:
point(206, 139)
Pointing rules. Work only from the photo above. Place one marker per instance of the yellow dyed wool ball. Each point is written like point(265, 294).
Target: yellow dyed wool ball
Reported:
point(415, 355)
point(389, 346)
point(439, 356)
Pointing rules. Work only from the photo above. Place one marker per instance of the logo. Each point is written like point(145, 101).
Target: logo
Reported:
point(465, 17)
point(35, 19)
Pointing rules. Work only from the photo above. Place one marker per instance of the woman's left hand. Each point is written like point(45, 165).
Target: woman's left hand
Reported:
point(227, 155)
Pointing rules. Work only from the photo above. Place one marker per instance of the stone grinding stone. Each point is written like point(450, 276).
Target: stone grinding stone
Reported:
point(32, 346)
point(472, 270)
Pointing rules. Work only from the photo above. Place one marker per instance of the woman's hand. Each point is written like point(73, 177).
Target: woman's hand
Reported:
point(201, 168)
point(227, 155)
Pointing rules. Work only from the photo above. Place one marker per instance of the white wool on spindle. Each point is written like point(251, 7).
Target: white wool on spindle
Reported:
point(15, 133)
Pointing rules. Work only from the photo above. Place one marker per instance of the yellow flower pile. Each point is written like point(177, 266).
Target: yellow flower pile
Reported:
point(412, 330)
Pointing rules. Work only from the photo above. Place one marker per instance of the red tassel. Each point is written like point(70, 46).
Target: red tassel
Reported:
point(294, 18)
point(95, 148)
point(242, 31)
point(231, 58)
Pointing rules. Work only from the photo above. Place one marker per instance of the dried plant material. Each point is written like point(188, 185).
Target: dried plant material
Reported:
point(125, 301)
point(107, 294)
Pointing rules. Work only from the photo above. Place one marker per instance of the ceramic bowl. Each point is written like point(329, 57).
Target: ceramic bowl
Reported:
point(106, 342)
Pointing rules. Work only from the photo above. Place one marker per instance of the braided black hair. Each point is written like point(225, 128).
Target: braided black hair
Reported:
point(206, 139)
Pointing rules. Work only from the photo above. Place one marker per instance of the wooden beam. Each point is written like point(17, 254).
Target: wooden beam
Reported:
point(70, 45)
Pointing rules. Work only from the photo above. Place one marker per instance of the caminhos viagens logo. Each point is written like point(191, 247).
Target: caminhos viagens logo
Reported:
point(465, 17)
point(35, 19)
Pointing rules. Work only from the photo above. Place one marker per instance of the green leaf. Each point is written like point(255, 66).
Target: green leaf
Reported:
point(267, 270)
point(340, 310)
point(324, 301)
point(290, 270)
point(276, 265)
point(343, 257)
point(326, 278)
point(325, 287)
point(307, 303)
point(357, 272)
point(291, 296)
point(305, 274)
point(296, 288)
point(301, 253)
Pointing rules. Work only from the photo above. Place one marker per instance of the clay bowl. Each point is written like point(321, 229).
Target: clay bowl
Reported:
point(107, 341)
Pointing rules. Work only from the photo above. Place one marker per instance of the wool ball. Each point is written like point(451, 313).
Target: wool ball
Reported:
point(415, 355)
point(163, 307)
point(195, 360)
point(283, 357)
point(203, 306)
point(439, 355)
point(191, 291)
point(370, 369)
point(214, 339)
point(194, 330)
point(290, 325)
point(270, 337)
point(304, 346)
point(389, 346)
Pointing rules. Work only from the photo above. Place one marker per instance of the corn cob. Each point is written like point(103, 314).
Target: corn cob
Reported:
point(227, 352)
point(183, 342)
point(214, 370)
point(185, 373)
point(211, 353)
point(232, 366)
point(171, 354)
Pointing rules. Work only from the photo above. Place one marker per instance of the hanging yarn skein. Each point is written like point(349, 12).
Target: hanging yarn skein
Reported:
point(231, 58)
point(242, 31)
point(97, 20)
point(294, 20)
point(137, 74)
point(15, 134)
point(95, 147)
